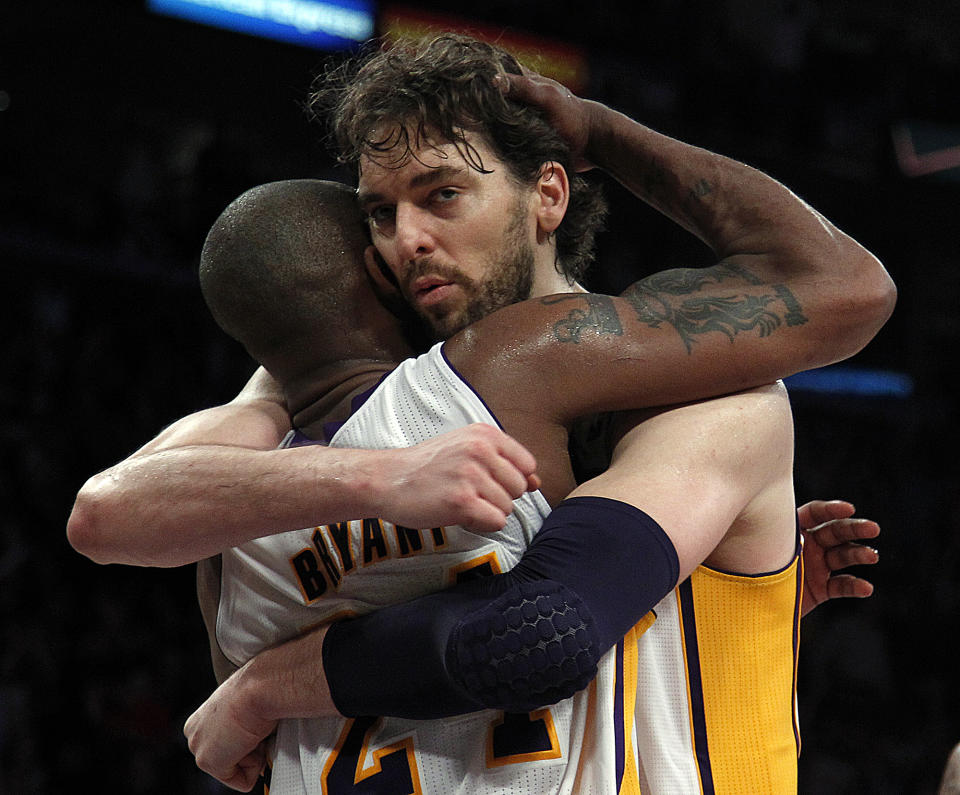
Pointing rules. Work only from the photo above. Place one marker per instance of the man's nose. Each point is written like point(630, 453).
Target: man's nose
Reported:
point(414, 236)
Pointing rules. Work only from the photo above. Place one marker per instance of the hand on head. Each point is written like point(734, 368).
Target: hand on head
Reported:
point(567, 113)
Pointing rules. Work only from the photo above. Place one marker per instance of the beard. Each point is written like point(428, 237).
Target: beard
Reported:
point(509, 281)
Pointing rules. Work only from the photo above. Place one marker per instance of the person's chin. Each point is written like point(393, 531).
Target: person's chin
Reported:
point(445, 324)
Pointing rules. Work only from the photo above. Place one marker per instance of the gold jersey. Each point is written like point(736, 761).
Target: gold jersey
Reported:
point(716, 695)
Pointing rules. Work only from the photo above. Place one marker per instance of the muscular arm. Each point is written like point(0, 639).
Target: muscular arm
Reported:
point(781, 263)
point(162, 505)
point(790, 290)
point(215, 479)
point(811, 297)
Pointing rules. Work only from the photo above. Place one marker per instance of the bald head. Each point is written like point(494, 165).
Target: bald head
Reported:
point(282, 272)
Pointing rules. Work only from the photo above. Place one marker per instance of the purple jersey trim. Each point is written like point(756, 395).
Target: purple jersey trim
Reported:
point(330, 428)
point(697, 715)
point(797, 615)
point(797, 552)
point(299, 439)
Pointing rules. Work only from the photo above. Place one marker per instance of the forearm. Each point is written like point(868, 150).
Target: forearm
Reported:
point(181, 505)
point(762, 233)
point(286, 681)
point(480, 644)
point(166, 506)
point(421, 659)
point(732, 207)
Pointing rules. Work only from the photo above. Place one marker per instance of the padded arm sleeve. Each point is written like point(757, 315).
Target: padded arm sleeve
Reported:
point(515, 641)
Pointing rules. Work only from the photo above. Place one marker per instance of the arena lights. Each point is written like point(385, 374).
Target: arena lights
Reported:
point(860, 382)
point(560, 60)
point(327, 25)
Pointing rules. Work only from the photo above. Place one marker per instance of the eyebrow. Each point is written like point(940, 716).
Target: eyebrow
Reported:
point(432, 176)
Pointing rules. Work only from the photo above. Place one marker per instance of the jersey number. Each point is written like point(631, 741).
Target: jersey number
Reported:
point(516, 738)
point(522, 737)
point(394, 768)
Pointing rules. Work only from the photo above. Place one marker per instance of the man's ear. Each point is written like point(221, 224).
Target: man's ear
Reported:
point(553, 194)
point(383, 279)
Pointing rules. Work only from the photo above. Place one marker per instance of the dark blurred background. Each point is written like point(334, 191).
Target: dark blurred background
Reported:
point(124, 133)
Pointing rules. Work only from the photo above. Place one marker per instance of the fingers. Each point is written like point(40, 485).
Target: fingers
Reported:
point(567, 113)
point(838, 539)
point(242, 776)
point(518, 457)
point(819, 511)
point(485, 518)
point(468, 476)
point(487, 449)
point(528, 88)
point(533, 89)
point(487, 507)
point(215, 752)
point(249, 770)
point(511, 468)
point(841, 531)
point(843, 557)
point(848, 586)
point(523, 87)
point(513, 474)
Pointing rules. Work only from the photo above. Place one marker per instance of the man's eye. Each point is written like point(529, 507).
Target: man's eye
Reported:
point(445, 194)
point(380, 215)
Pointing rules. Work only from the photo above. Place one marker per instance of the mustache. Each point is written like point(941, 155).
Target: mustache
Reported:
point(428, 267)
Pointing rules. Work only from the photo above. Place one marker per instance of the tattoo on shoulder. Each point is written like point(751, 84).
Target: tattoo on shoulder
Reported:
point(599, 315)
point(681, 298)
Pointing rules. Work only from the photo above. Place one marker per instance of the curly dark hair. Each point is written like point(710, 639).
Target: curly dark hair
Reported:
point(388, 102)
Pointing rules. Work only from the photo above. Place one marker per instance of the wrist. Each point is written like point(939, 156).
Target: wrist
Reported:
point(255, 694)
point(379, 482)
point(348, 487)
point(286, 681)
point(608, 131)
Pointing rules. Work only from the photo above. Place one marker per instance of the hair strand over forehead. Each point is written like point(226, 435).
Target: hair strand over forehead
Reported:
point(390, 103)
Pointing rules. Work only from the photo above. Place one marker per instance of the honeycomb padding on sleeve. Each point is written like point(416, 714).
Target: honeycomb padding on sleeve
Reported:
point(534, 645)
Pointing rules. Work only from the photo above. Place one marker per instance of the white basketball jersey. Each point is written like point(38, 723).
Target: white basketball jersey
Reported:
point(275, 587)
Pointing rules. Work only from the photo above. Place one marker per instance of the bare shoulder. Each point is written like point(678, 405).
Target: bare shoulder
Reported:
point(762, 535)
point(710, 471)
point(735, 453)
point(749, 419)
point(569, 346)
point(759, 415)
point(511, 358)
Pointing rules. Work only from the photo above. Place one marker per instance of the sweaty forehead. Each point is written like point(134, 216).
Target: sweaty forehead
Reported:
point(413, 166)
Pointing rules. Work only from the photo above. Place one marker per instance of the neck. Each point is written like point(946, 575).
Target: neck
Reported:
point(547, 281)
point(320, 396)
